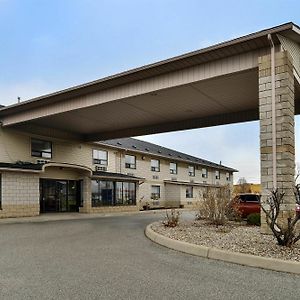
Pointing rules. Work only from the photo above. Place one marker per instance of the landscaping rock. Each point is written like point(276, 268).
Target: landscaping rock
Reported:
point(235, 237)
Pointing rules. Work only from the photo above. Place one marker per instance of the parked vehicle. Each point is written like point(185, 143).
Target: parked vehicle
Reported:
point(250, 203)
point(247, 204)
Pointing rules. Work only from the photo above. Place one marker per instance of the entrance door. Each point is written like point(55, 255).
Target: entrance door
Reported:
point(59, 195)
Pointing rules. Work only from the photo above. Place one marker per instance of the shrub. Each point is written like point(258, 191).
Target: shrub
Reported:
point(285, 233)
point(214, 205)
point(233, 212)
point(172, 218)
point(253, 219)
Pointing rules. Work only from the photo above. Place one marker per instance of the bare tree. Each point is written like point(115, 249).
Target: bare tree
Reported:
point(243, 186)
point(284, 233)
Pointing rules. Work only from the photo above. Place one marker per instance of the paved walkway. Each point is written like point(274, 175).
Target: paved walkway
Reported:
point(48, 217)
point(110, 258)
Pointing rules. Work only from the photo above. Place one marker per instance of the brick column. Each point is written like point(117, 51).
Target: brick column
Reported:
point(285, 137)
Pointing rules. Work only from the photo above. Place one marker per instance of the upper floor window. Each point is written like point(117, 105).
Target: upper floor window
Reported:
point(189, 192)
point(155, 192)
point(173, 168)
point(100, 157)
point(191, 171)
point(218, 174)
point(130, 161)
point(155, 165)
point(40, 148)
point(204, 173)
point(228, 176)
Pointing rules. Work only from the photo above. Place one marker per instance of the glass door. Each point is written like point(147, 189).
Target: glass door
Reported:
point(73, 199)
point(48, 201)
point(60, 195)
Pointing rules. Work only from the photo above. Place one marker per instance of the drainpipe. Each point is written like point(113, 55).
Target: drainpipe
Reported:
point(273, 106)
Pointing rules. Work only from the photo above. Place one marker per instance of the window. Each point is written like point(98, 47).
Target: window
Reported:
point(189, 192)
point(41, 148)
point(173, 168)
point(130, 162)
point(129, 193)
point(228, 176)
point(125, 193)
point(110, 193)
point(102, 193)
point(100, 157)
point(155, 165)
point(204, 173)
point(155, 192)
point(217, 174)
point(191, 171)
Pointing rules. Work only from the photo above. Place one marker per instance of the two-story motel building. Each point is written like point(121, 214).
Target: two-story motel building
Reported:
point(41, 174)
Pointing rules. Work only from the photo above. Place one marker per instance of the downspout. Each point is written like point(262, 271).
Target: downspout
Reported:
point(273, 106)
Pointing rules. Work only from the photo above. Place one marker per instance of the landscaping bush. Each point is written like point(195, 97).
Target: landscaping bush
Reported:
point(253, 219)
point(286, 233)
point(214, 205)
point(233, 212)
point(172, 218)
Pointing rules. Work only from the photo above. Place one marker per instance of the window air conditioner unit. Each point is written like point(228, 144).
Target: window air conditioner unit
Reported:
point(100, 169)
point(174, 178)
point(130, 174)
point(155, 177)
point(42, 161)
point(192, 181)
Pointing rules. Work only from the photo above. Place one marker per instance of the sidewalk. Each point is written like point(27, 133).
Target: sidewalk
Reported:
point(49, 217)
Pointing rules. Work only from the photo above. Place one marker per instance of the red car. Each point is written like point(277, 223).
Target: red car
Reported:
point(247, 204)
point(250, 203)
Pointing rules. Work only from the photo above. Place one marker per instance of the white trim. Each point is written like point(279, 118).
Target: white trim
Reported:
point(66, 165)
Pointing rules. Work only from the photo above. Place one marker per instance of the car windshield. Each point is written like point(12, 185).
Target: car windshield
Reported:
point(250, 198)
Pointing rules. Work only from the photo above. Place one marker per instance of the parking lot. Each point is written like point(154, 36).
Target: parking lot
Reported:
point(110, 258)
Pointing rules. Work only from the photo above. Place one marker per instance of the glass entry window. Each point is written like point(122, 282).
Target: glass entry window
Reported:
point(111, 193)
point(59, 195)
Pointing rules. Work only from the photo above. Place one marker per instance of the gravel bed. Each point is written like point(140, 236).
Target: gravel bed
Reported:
point(233, 237)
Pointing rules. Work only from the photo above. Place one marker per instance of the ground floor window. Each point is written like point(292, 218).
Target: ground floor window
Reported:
point(155, 192)
point(189, 192)
point(111, 193)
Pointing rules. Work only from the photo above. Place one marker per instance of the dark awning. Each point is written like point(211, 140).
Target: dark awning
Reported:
point(118, 176)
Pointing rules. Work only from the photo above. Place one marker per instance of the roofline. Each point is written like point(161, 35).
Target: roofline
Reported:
point(166, 157)
point(251, 36)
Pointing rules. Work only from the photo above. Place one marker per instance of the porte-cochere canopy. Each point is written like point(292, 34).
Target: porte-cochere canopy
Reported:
point(213, 86)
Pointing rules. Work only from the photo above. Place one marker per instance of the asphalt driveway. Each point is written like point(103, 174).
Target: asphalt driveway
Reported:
point(110, 258)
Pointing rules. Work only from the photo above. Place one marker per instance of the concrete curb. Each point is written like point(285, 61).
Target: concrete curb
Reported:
point(223, 255)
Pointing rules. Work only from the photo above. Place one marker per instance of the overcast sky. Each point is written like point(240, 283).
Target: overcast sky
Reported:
point(50, 45)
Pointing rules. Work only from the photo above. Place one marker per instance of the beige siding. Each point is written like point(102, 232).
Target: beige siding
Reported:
point(173, 195)
point(20, 194)
point(16, 146)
